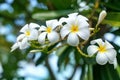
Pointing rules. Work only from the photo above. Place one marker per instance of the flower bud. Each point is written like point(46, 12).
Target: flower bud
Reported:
point(101, 16)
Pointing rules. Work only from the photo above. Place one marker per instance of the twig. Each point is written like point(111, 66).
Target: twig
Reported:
point(50, 70)
point(83, 54)
point(75, 69)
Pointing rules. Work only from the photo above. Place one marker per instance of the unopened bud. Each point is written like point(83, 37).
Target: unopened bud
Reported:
point(102, 15)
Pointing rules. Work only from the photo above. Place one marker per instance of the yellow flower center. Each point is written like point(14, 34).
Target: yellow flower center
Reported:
point(27, 33)
point(102, 48)
point(49, 29)
point(74, 29)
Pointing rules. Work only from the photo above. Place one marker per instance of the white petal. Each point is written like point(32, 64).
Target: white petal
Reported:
point(24, 44)
point(15, 46)
point(52, 23)
point(53, 37)
point(41, 38)
point(108, 45)
point(72, 21)
point(42, 28)
point(92, 49)
point(101, 58)
point(114, 62)
point(24, 28)
point(73, 14)
point(83, 24)
point(98, 41)
point(73, 39)
point(82, 17)
point(33, 25)
point(111, 54)
point(55, 24)
point(64, 32)
point(20, 37)
point(33, 35)
point(84, 33)
point(63, 20)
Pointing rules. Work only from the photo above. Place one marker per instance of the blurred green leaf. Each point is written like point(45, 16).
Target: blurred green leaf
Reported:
point(50, 14)
point(113, 19)
point(64, 55)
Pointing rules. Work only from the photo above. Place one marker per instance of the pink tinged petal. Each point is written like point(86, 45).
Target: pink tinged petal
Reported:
point(98, 41)
point(73, 39)
point(101, 58)
point(42, 28)
point(111, 54)
point(33, 25)
point(24, 44)
point(20, 37)
point(24, 28)
point(33, 35)
point(84, 33)
point(41, 38)
point(108, 45)
point(92, 49)
point(64, 32)
point(53, 37)
point(15, 46)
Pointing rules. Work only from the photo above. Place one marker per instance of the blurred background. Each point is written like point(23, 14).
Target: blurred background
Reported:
point(22, 65)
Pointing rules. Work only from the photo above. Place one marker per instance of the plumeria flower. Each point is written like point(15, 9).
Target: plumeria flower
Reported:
point(76, 27)
point(21, 43)
point(30, 32)
point(104, 50)
point(49, 32)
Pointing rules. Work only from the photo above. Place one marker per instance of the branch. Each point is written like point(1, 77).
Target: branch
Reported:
point(75, 69)
point(50, 70)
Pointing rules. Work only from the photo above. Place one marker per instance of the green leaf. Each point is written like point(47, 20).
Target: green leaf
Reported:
point(50, 14)
point(113, 19)
point(64, 56)
point(112, 23)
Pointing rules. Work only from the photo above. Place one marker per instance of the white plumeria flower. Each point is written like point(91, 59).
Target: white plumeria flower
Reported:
point(30, 32)
point(76, 27)
point(49, 32)
point(22, 43)
point(105, 52)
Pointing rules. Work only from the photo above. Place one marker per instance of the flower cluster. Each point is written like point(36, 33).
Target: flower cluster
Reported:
point(72, 30)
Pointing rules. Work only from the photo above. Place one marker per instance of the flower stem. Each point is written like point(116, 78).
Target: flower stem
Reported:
point(83, 54)
point(55, 48)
